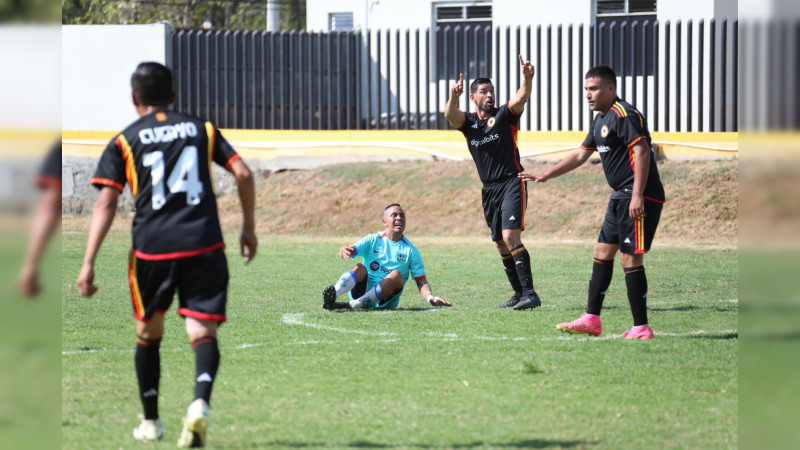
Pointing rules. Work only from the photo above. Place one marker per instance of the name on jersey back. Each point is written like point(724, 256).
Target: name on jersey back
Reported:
point(168, 133)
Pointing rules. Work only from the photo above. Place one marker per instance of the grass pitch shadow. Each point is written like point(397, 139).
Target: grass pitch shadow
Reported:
point(524, 443)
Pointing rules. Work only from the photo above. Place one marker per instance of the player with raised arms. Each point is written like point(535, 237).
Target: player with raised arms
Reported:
point(491, 135)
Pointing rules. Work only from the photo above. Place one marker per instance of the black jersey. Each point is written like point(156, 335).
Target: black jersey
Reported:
point(493, 144)
point(612, 134)
point(165, 158)
point(50, 172)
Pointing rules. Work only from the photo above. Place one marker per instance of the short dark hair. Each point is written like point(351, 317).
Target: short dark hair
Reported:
point(477, 82)
point(393, 204)
point(605, 73)
point(152, 84)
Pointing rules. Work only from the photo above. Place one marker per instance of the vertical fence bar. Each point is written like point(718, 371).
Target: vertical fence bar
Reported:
point(539, 78)
point(519, 52)
point(549, 93)
point(570, 77)
point(418, 87)
point(207, 73)
point(712, 74)
point(312, 74)
point(508, 66)
point(320, 106)
point(397, 79)
point(368, 88)
point(580, 74)
point(441, 36)
point(700, 72)
point(656, 74)
point(379, 76)
point(529, 106)
point(633, 60)
point(735, 73)
point(689, 72)
point(623, 59)
point(329, 77)
point(645, 107)
point(290, 69)
point(427, 79)
point(465, 63)
point(559, 74)
point(408, 79)
point(225, 86)
point(723, 74)
point(301, 72)
point(667, 75)
point(678, 74)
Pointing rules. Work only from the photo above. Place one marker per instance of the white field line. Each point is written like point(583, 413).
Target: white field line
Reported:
point(680, 302)
point(297, 320)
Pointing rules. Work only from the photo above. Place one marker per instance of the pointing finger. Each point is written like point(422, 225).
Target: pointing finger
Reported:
point(521, 61)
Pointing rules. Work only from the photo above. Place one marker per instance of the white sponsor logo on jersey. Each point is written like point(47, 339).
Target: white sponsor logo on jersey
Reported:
point(487, 139)
point(603, 148)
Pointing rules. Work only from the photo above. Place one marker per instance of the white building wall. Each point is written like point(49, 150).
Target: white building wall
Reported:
point(97, 63)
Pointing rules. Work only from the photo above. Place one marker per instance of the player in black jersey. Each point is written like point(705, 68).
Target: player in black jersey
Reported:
point(166, 158)
point(619, 134)
point(491, 135)
point(45, 221)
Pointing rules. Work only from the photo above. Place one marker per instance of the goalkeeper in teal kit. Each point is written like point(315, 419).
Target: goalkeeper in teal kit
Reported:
point(389, 259)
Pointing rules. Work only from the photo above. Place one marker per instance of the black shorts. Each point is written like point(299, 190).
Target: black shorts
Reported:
point(504, 205)
point(201, 282)
point(632, 236)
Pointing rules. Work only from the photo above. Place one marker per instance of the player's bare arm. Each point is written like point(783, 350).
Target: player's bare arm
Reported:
point(454, 115)
point(248, 243)
point(347, 252)
point(517, 103)
point(105, 208)
point(425, 290)
point(571, 162)
point(642, 155)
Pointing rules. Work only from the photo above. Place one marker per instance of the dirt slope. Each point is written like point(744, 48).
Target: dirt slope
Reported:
point(443, 199)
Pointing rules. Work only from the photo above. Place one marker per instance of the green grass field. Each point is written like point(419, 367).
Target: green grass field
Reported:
point(472, 376)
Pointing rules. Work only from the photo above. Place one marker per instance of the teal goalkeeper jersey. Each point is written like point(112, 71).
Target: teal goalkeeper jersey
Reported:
point(382, 255)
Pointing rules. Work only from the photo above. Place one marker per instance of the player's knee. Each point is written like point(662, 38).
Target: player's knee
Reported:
point(196, 328)
point(360, 271)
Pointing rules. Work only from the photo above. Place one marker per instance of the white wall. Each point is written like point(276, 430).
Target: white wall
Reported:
point(31, 92)
point(524, 13)
point(371, 14)
point(97, 63)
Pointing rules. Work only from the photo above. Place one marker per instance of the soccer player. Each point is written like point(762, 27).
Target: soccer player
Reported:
point(619, 134)
point(45, 221)
point(389, 258)
point(165, 157)
point(491, 135)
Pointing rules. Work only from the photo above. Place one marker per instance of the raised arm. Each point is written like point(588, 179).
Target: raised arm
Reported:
point(573, 161)
point(425, 291)
point(248, 242)
point(454, 115)
point(517, 103)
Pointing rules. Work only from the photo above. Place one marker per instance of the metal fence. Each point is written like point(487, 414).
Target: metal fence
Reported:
point(682, 75)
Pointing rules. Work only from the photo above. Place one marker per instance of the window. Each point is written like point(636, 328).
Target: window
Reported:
point(450, 61)
point(613, 20)
point(340, 21)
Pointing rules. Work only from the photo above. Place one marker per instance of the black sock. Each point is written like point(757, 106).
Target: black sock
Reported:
point(522, 262)
point(636, 280)
point(148, 371)
point(511, 273)
point(206, 354)
point(602, 270)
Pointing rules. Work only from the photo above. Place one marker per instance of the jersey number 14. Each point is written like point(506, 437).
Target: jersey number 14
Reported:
point(185, 177)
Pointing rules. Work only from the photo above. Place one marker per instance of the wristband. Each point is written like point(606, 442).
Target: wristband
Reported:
point(430, 298)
